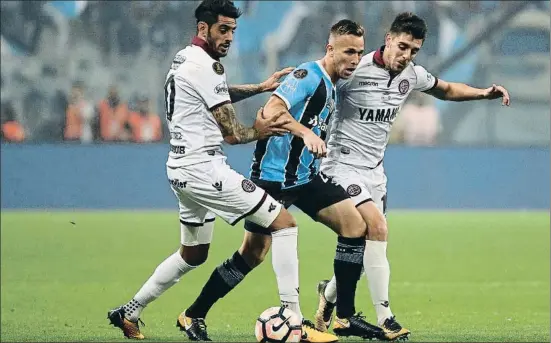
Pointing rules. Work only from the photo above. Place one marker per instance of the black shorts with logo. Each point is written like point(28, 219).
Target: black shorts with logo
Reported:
point(310, 198)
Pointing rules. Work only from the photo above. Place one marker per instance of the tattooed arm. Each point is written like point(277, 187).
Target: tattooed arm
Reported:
point(232, 130)
point(235, 133)
point(241, 92)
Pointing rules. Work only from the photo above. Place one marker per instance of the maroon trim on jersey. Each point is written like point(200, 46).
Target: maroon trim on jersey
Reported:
point(378, 57)
point(205, 46)
point(225, 102)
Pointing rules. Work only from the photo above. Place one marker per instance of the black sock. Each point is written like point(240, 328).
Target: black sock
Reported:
point(348, 267)
point(222, 280)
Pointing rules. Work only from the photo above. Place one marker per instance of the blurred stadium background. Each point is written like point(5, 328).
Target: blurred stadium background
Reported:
point(83, 128)
point(82, 86)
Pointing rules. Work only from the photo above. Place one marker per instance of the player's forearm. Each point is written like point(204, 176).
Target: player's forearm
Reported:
point(232, 130)
point(294, 127)
point(241, 92)
point(462, 92)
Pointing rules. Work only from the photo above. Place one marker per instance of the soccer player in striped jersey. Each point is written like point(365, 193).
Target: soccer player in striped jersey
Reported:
point(287, 167)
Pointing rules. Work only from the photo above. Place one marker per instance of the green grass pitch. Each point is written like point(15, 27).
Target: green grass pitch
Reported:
point(456, 276)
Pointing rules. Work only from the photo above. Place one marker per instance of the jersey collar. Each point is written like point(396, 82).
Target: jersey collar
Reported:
point(204, 45)
point(378, 60)
point(378, 57)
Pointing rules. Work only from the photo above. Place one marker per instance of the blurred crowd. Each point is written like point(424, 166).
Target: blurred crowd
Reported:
point(93, 71)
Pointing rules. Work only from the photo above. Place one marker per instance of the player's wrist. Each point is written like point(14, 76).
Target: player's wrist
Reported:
point(262, 87)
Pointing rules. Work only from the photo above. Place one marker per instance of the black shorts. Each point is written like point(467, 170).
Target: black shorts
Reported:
point(310, 198)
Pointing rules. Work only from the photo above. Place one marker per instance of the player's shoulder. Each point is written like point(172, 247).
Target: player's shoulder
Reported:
point(309, 71)
point(417, 68)
point(194, 61)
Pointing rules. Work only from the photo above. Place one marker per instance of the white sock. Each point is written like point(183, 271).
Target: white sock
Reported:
point(377, 270)
point(285, 264)
point(166, 275)
point(331, 290)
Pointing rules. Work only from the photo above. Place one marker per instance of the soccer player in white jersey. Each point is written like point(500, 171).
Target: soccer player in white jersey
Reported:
point(368, 104)
point(200, 116)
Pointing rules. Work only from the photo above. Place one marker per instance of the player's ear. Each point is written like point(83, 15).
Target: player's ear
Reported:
point(202, 27)
point(388, 37)
point(330, 49)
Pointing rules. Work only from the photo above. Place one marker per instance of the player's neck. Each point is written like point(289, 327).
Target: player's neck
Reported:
point(329, 69)
point(386, 62)
point(201, 42)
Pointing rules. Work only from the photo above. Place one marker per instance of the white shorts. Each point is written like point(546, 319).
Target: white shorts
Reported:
point(362, 185)
point(213, 188)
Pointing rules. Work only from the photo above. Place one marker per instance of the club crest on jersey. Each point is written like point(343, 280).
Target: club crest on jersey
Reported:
point(218, 68)
point(248, 186)
point(353, 190)
point(300, 73)
point(403, 87)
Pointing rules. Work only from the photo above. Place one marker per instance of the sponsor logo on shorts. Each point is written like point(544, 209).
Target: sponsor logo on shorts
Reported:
point(403, 87)
point(272, 207)
point(177, 183)
point(248, 186)
point(353, 190)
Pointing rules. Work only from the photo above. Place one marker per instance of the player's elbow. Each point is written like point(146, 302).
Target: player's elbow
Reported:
point(232, 140)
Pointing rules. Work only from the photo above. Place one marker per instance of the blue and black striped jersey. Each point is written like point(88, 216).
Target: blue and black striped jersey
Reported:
point(310, 97)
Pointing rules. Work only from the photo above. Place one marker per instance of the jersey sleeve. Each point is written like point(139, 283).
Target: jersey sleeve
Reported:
point(209, 83)
point(425, 80)
point(297, 86)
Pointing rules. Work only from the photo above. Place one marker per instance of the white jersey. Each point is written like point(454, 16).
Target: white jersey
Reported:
point(194, 85)
point(368, 103)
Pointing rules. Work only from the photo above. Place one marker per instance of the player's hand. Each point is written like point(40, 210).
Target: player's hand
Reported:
point(272, 82)
point(272, 126)
point(314, 144)
point(495, 92)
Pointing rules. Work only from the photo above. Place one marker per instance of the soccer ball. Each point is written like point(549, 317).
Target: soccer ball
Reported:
point(278, 324)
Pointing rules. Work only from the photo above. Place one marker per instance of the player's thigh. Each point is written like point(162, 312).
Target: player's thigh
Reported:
point(353, 182)
point(196, 223)
point(375, 180)
point(230, 195)
point(327, 202)
point(285, 197)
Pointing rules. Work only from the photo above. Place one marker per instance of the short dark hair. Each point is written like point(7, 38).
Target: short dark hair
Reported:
point(347, 27)
point(409, 23)
point(209, 10)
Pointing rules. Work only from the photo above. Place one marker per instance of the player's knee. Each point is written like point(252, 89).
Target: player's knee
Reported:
point(283, 220)
point(377, 230)
point(195, 255)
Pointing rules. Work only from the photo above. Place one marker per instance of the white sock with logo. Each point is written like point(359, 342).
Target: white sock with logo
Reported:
point(285, 264)
point(377, 271)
